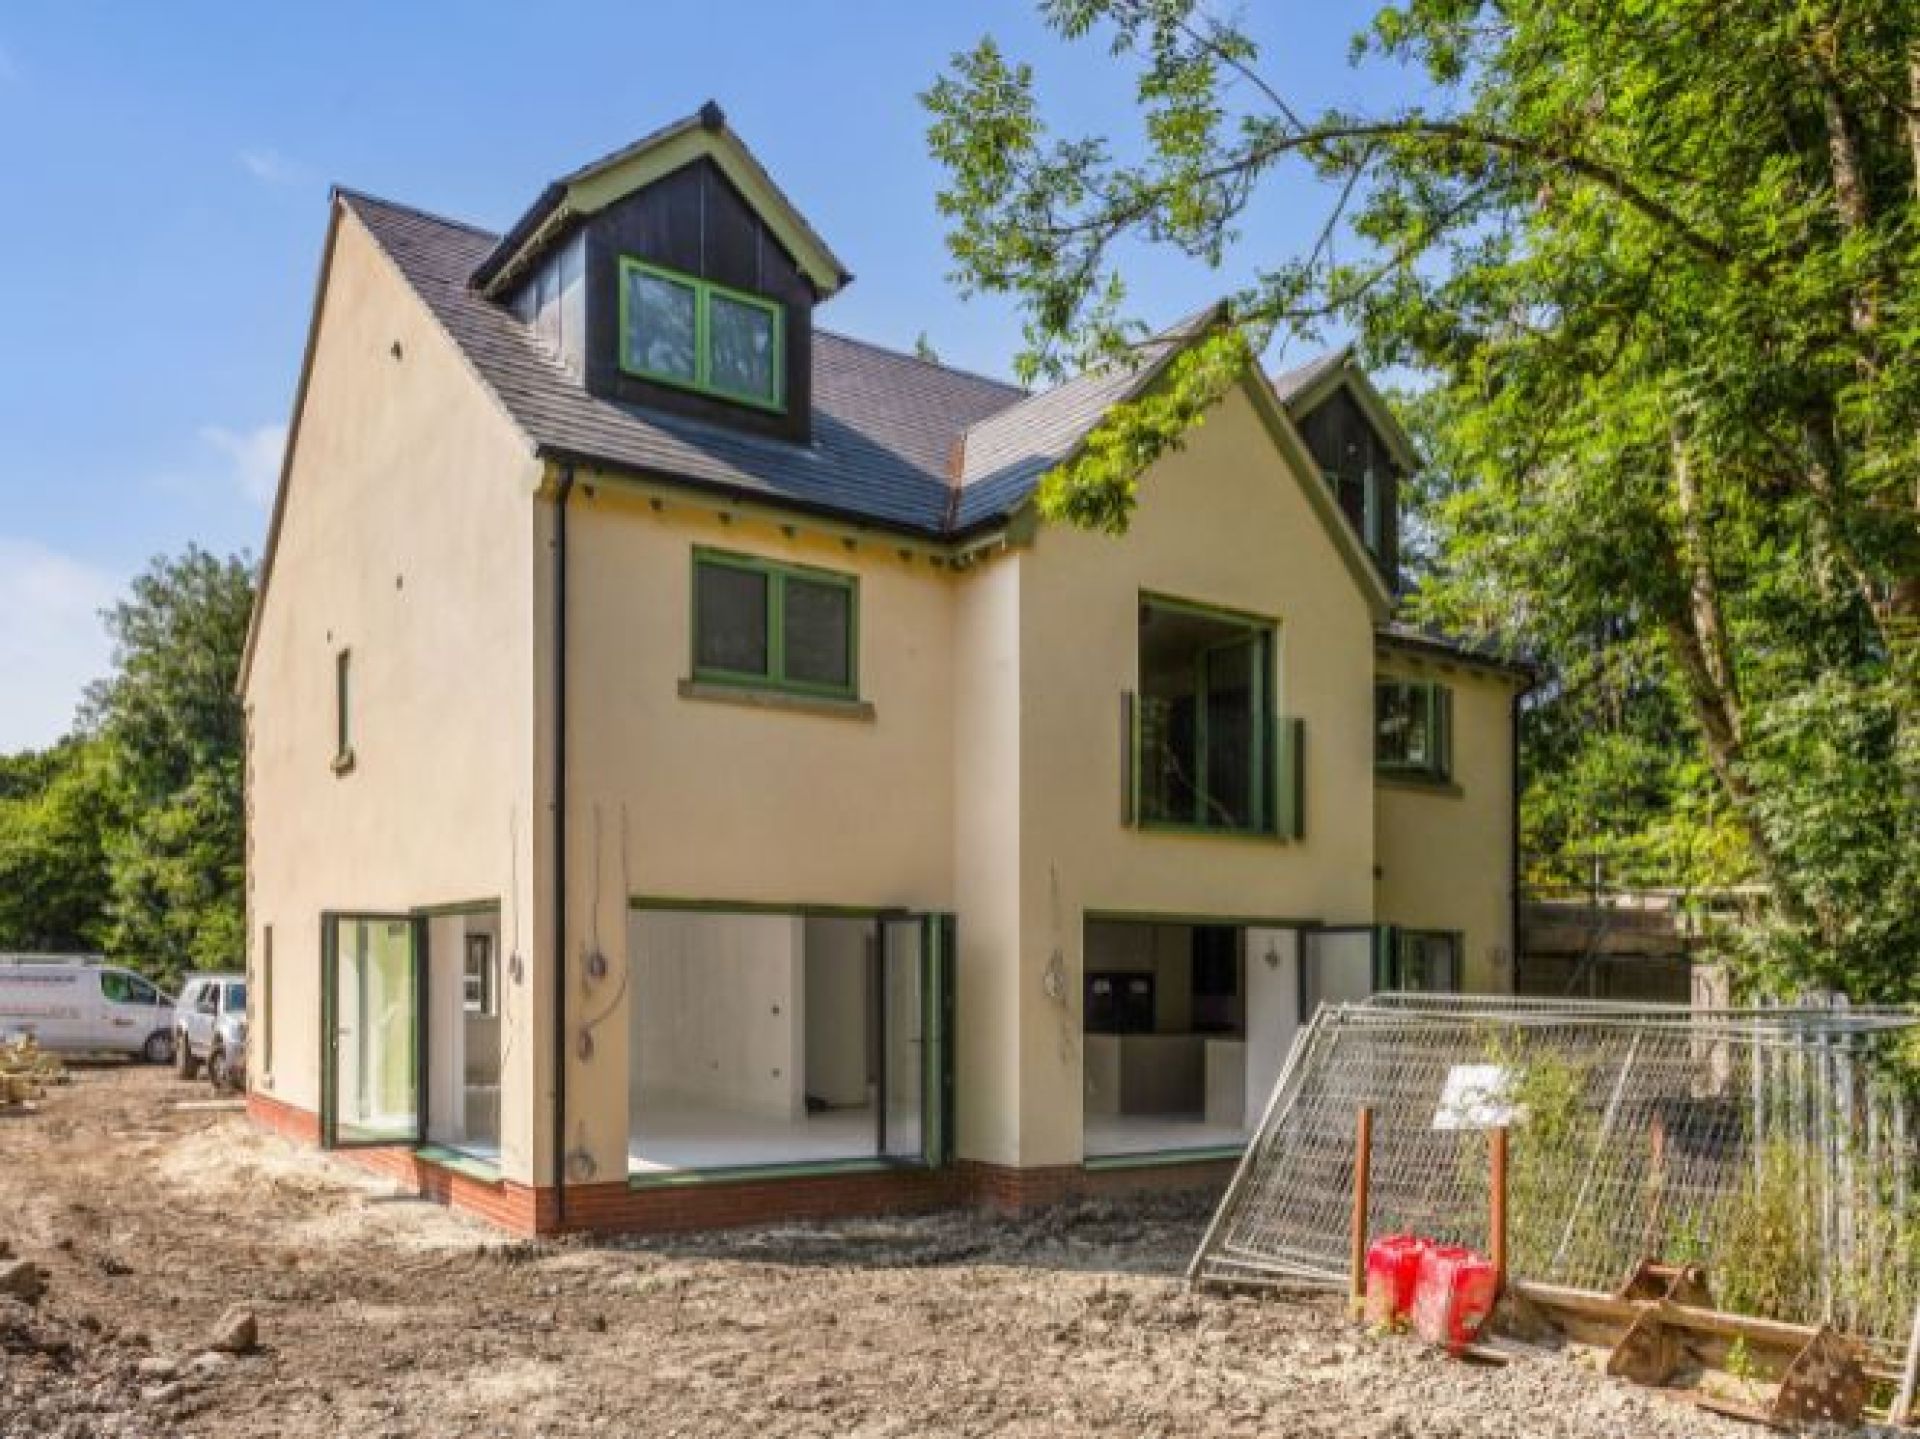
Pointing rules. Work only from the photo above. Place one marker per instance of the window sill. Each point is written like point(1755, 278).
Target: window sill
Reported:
point(1422, 784)
point(750, 1173)
point(343, 762)
point(772, 699)
point(458, 1162)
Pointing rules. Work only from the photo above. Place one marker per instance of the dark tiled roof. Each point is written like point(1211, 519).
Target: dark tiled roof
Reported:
point(885, 425)
point(1485, 650)
point(1006, 454)
point(1301, 378)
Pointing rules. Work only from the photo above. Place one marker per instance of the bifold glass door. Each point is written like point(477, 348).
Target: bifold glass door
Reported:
point(373, 1000)
point(914, 1003)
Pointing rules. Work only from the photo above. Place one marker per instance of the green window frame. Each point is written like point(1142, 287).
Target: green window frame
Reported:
point(705, 293)
point(1425, 961)
point(1275, 760)
point(343, 709)
point(1429, 705)
point(775, 674)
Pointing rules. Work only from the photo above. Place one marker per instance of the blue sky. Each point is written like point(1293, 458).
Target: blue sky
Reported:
point(165, 170)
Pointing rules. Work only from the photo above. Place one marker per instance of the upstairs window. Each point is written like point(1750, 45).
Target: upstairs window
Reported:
point(1206, 751)
point(697, 335)
point(1413, 729)
point(774, 626)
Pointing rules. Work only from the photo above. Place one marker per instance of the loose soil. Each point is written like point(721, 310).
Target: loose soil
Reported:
point(382, 1316)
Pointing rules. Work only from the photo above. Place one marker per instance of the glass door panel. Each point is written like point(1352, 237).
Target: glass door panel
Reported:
point(915, 1010)
point(1231, 674)
point(374, 1012)
point(903, 1031)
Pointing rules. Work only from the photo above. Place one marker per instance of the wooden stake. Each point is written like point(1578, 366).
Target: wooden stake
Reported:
point(1497, 1209)
point(1362, 1195)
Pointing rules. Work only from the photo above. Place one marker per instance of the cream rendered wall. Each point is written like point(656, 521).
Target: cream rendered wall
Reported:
point(719, 1012)
point(987, 796)
point(1444, 853)
point(1224, 522)
point(406, 535)
point(686, 798)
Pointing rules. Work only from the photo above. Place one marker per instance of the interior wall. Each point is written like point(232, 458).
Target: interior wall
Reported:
point(718, 1011)
point(838, 1008)
point(1163, 950)
point(481, 1032)
point(1271, 986)
point(463, 1048)
point(446, 1029)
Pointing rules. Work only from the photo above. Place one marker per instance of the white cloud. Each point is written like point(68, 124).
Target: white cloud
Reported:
point(253, 457)
point(55, 643)
point(269, 166)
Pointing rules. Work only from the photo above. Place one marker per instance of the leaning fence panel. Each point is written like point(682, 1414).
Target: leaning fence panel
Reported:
point(1777, 1147)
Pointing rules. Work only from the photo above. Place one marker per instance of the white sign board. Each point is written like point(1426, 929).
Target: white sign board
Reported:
point(1477, 1096)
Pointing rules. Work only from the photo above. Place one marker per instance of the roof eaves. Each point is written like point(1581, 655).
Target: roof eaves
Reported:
point(521, 241)
point(574, 194)
point(738, 494)
point(1302, 390)
point(1402, 636)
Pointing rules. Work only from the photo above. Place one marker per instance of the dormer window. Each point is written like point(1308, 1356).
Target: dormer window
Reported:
point(680, 330)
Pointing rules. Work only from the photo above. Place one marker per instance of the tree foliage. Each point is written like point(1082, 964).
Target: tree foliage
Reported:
point(129, 834)
point(1656, 267)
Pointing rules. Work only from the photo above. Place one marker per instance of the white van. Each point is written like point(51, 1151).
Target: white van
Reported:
point(80, 1004)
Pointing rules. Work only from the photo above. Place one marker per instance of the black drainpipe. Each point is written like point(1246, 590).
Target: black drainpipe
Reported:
point(562, 494)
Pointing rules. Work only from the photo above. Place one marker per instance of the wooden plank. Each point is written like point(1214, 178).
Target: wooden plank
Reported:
point(1595, 1318)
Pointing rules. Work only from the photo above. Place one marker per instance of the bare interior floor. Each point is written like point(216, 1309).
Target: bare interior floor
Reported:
point(684, 1138)
point(1110, 1135)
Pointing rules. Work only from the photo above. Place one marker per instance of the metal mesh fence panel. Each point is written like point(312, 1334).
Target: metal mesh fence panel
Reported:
point(1776, 1147)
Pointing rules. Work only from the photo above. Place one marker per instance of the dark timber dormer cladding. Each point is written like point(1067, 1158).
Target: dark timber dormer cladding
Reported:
point(1359, 465)
point(695, 222)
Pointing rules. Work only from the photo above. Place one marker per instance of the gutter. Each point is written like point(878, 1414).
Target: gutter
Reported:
point(776, 506)
point(562, 493)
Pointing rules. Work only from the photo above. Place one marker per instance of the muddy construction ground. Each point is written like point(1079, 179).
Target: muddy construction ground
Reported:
point(380, 1315)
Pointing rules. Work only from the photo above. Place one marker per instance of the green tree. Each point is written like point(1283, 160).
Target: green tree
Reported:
point(1658, 268)
point(171, 726)
point(58, 808)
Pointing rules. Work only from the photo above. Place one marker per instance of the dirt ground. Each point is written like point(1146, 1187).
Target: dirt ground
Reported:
point(382, 1316)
